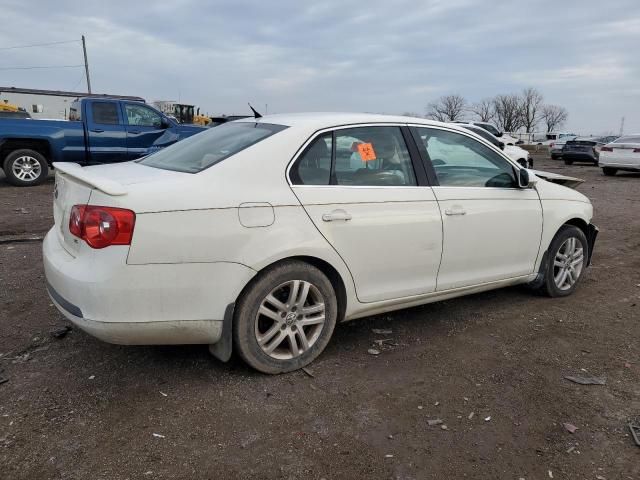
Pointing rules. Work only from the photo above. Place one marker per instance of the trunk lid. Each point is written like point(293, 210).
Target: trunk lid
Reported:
point(67, 192)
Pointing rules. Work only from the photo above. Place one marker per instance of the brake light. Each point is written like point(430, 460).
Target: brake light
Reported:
point(102, 226)
point(606, 149)
point(551, 145)
point(636, 150)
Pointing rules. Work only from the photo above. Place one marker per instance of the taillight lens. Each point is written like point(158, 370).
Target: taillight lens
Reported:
point(102, 226)
point(636, 150)
point(606, 149)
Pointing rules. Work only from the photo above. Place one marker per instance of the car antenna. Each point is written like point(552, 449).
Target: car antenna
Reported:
point(256, 114)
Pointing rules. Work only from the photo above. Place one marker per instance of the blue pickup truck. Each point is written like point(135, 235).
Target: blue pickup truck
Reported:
point(99, 130)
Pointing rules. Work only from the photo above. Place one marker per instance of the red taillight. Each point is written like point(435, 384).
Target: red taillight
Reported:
point(636, 150)
point(606, 149)
point(102, 226)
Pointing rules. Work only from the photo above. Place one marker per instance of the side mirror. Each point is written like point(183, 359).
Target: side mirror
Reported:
point(524, 179)
point(499, 134)
point(501, 145)
point(164, 123)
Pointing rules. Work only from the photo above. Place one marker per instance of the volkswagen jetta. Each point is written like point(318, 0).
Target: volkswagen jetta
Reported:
point(260, 234)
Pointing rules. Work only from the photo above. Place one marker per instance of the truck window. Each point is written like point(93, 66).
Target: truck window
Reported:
point(75, 114)
point(142, 116)
point(105, 113)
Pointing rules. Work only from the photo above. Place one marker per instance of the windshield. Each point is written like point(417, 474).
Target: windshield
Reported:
point(205, 149)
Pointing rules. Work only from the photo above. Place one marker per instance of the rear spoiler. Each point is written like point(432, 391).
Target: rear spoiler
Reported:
point(85, 175)
point(570, 182)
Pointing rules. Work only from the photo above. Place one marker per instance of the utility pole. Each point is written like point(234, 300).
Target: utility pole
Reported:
point(86, 64)
point(622, 126)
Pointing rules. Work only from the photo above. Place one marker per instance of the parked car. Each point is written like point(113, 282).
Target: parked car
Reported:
point(582, 149)
point(621, 154)
point(556, 146)
point(100, 130)
point(260, 234)
point(514, 152)
point(504, 137)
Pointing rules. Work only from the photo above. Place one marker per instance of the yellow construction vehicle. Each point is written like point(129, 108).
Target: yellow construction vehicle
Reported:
point(7, 107)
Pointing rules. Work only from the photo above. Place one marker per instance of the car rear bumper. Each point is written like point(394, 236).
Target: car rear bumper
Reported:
point(579, 156)
point(620, 165)
point(141, 304)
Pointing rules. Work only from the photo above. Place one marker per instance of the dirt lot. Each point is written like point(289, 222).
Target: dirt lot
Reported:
point(77, 408)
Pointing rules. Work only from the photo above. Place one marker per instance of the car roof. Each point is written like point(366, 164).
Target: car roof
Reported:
point(320, 120)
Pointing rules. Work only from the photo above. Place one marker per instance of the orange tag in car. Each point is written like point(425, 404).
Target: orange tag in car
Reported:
point(366, 151)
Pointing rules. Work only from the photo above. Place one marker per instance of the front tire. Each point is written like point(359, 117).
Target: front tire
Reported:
point(25, 167)
point(285, 318)
point(567, 260)
point(609, 172)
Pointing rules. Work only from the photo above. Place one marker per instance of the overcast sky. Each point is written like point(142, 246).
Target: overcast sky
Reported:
point(348, 55)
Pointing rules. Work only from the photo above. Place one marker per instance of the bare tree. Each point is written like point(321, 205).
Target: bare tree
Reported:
point(484, 110)
point(531, 108)
point(554, 116)
point(508, 112)
point(447, 108)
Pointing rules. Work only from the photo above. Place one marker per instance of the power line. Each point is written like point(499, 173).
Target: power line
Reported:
point(38, 45)
point(35, 67)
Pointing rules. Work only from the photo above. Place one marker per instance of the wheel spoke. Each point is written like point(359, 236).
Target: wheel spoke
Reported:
point(269, 334)
point(577, 262)
point(269, 313)
point(293, 292)
point(281, 307)
point(311, 321)
point(271, 346)
point(558, 263)
point(304, 293)
point(293, 343)
point(561, 277)
point(313, 309)
point(304, 342)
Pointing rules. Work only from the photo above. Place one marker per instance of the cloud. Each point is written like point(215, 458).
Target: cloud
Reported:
point(363, 55)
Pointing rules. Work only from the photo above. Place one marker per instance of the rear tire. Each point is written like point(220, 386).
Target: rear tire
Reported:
point(285, 318)
point(566, 262)
point(555, 157)
point(609, 172)
point(25, 167)
point(568, 162)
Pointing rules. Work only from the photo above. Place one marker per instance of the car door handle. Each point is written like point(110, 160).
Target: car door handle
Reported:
point(336, 215)
point(135, 132)
point(455, 211)
point(97, 130)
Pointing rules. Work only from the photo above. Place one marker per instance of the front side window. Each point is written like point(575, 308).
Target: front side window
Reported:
point(461, 161)
point(362, 156)
point(141, 116)
point(205, 149)
point(105, 113)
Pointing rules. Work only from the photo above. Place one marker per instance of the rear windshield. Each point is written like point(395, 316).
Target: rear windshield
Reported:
point(628, 139)
point(205, 149)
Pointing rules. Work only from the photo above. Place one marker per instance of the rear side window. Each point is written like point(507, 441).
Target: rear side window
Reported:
point(105, 113)
point(205, 149)
point(361, 156)
point(314, 165)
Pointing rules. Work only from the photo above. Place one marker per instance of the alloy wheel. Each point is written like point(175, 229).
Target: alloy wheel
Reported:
point(290, 319)
point(26, 168)
point(568, 263)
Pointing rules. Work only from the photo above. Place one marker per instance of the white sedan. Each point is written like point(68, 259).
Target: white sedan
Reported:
point(621, 154)
point(260, 234)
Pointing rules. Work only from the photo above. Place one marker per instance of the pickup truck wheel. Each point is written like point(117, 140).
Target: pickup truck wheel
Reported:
point(25, 168)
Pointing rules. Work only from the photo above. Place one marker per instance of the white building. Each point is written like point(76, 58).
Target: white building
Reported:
point(48, 104)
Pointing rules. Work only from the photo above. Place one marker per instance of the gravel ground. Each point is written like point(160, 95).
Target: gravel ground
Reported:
point(490, 366)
